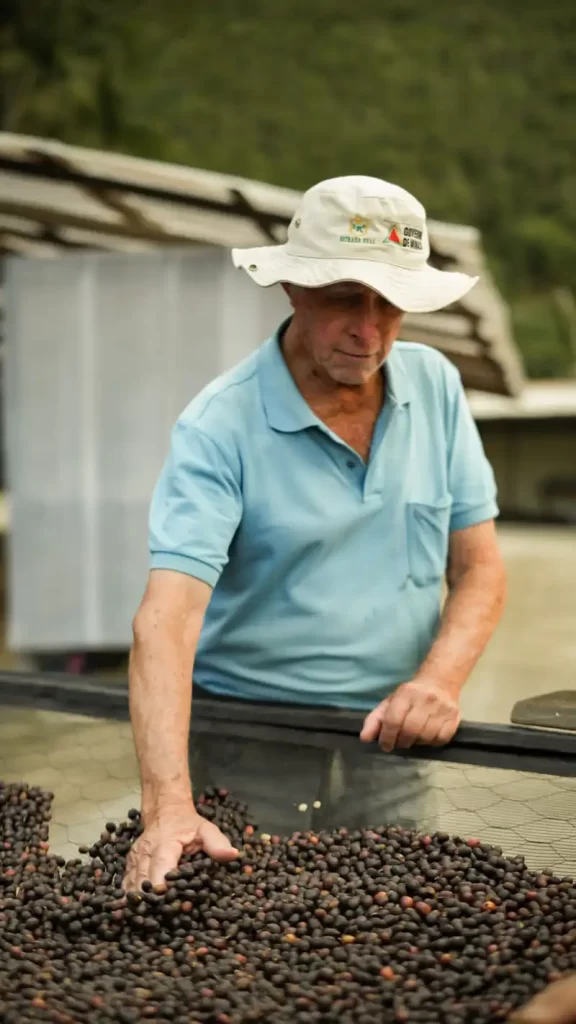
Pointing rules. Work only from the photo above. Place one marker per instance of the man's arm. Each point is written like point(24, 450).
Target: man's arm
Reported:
point(166, 631)
point(195, 511)
point(426, 709)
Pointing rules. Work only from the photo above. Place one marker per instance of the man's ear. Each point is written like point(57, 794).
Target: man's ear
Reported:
point(289, 289)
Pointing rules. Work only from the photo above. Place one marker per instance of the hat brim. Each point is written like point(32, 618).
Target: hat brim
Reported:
point(419, 290)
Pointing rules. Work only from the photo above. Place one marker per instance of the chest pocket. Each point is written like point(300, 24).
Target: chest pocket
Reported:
point(428, 529)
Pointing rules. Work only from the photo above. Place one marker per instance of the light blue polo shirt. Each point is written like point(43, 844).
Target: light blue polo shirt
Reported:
point(327, 572)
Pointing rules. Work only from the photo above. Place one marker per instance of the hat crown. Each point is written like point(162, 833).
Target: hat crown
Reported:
point(359, 217)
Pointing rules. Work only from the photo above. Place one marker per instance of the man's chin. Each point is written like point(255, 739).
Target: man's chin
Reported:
point(351, 377)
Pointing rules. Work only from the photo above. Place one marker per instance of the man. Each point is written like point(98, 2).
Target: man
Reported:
point(311, 503)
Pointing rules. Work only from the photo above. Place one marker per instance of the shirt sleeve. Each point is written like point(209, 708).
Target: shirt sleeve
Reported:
point(470, 476)
point(196, 506)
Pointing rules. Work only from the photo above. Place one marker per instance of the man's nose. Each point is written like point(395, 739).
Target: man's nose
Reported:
point(366, 325)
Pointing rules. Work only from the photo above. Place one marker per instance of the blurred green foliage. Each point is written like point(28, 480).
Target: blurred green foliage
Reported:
point(472, 106)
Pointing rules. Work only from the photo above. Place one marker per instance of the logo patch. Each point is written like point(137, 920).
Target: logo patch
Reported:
point(362, 231)
point(406, 237)
point(394, 236)
point(359, 226)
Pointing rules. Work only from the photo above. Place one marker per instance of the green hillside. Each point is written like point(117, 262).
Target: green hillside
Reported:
point(471, 106)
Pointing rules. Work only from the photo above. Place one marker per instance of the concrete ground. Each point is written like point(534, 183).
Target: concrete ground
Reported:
point(533, 651)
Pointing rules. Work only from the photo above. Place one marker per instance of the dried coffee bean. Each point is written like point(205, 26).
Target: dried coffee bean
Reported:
point(349, 925)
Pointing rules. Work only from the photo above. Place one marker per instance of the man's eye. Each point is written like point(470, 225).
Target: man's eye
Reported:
point(387, 307)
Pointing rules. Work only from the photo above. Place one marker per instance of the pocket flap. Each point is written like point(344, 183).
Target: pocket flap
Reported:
point(428, 531)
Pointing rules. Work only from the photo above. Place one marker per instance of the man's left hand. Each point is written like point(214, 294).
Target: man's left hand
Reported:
point(426, 713)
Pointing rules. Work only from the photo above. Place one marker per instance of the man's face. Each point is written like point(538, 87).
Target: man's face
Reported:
point(347, 329)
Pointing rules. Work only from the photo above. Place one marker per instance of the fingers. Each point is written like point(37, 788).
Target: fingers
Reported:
point(428, 730)
point(443, 729)
point(415, 728)
point(128, 880)
point(164, 858)
point(137, 864)
point(392, 720)
point(157, 853)
point(373, 723)
point(414, 713)
point(216, 845)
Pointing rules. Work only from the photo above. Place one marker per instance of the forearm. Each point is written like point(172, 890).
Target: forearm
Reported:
point(160, 679)
point(472, 611)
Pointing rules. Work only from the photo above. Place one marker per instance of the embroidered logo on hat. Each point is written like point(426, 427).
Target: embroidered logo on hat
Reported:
point(359, 228)
point(406, 237)
point(394, 236)
point(359, 225)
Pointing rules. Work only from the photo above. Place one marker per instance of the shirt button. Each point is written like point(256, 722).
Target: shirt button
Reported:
point(351, 464)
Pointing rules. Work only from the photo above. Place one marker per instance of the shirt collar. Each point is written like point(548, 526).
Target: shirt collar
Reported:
point(399, 387)
point(286, 410)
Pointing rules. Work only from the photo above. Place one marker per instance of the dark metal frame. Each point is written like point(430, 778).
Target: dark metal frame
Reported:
point(543, 751)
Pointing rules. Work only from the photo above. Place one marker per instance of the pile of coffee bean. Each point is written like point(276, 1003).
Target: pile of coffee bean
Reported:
point(350, 926)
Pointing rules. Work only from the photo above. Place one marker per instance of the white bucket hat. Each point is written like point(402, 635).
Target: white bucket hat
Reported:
point(359, 229)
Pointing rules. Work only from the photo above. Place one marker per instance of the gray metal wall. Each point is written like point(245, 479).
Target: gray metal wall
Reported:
point(102, 354)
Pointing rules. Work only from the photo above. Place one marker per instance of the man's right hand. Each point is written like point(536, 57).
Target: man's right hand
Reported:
point(169, 831)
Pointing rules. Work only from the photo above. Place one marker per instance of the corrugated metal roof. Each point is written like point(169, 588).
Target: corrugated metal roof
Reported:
point(54, 196)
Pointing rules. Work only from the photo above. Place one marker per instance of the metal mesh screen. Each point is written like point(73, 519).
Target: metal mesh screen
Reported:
point(91, 767)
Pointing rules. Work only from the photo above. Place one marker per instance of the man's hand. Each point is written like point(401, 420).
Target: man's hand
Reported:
point(417, 712)
point(169, 832)
point(555, 1005)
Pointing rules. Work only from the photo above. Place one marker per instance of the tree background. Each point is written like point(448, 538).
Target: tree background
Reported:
point(472, 106)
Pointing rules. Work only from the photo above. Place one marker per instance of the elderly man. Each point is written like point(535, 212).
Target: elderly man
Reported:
point(312, 502)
